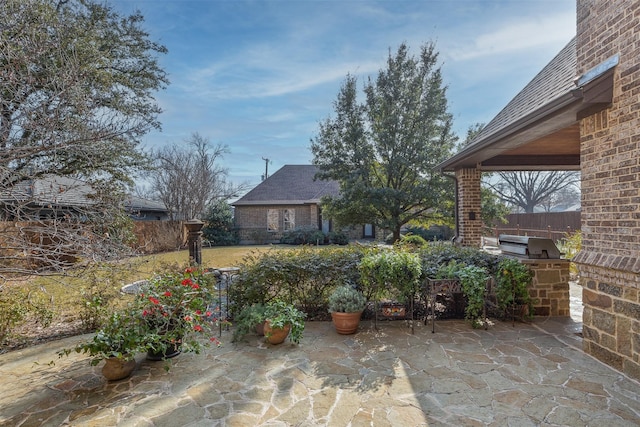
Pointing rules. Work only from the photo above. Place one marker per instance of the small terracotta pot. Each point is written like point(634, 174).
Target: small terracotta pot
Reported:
point(116, 368)
point(275, 335)
point(346, 323)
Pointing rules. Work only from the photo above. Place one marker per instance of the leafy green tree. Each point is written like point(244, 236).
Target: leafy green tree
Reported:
point(218, 227)
point(77, 86)
point(383, 152)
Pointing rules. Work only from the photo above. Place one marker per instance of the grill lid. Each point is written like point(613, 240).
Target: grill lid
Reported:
point(528, 247)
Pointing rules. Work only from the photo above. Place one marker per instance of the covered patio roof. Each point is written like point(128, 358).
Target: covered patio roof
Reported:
point(538, 129)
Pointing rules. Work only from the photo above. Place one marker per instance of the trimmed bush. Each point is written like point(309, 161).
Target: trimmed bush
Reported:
point(304, 277)
point(338, 238)
point(303, 236)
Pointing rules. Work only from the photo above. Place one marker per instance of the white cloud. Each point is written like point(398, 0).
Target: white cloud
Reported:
point(516, 37)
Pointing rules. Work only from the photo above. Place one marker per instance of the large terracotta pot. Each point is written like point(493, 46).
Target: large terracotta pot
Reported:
point(346, 323)
point(116, 368)
point(275, 335)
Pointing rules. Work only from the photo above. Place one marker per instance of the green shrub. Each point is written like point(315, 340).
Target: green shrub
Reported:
point(413, 241)
point(304, 277)
point(512, 285)
point(428, 234)
point(338, 238)
point(303, 236)
point(247, 320)
point(18, 306)
point(474, 283)
point(570, 245)
point(390, 274)
point(99, 294)
point(436, 254)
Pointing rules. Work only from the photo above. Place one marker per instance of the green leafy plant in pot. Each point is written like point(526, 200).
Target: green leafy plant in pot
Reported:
point(346, 305)
point(513, 280)
point(249, 319)
point(282, 320)
point(120, 338)
point(474, 285)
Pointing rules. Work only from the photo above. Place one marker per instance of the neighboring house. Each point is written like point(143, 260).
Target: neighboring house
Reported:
point(581, 112)
point(46, 197)
point(146, 210)
point(288, 199)
point(53, 196)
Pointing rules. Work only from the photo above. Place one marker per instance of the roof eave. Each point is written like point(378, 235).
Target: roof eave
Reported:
point(546, 111)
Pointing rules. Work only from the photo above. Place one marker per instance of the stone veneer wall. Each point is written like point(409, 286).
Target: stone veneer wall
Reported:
point(609, 262)
point(550, 287)
point(469, 207)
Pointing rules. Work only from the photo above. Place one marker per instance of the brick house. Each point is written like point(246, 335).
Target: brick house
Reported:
point(288, 199)
point(581, 112)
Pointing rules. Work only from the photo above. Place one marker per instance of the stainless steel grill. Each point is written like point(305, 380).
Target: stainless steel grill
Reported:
point(528, 247)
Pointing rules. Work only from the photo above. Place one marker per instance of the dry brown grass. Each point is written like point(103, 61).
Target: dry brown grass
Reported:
point(69, 293)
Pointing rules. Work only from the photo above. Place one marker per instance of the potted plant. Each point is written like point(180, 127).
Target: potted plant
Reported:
point(346, 305)
point(474, 285)
point(251, 318)
point(175, 308)
point(393, 274)
point(513, 280)
point(117, 342)
point(282, 320)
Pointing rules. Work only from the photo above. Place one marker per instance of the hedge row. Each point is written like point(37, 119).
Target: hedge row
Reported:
point(306, 277)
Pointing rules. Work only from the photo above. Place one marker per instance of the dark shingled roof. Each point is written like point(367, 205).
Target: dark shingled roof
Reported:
point(290, 185)
point(554, 81)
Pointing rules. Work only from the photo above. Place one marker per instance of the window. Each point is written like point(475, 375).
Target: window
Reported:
point(272, 220)
point(289, 219)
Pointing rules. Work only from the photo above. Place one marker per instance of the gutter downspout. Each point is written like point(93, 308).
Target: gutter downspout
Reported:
point(456, 236)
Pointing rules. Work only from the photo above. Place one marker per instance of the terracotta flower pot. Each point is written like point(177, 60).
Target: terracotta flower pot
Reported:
point(116, 368)
point(346, 323)
point(275, 335)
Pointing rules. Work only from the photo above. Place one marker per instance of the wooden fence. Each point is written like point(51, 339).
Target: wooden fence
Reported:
point(551, 225)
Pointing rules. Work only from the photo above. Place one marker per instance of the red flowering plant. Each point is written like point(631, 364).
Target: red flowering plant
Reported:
point(177, 310)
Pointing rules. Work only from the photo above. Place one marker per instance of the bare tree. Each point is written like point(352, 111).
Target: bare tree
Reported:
point(526, 190)
point(77, 82)
point(188, 180)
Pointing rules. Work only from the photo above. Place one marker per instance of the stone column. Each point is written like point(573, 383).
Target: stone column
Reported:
point(194, 240)
point(469, 207)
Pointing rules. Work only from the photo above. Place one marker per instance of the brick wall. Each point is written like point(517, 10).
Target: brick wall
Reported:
point(251, 222)
point(609, 260)
point(469, 207)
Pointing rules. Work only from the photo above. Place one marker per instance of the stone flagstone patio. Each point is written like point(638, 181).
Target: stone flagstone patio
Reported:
point(528, 375)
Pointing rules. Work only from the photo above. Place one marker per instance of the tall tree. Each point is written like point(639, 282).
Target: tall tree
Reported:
point(528, 189)
point(383, 151)
point(77, 85)
point(188, 179)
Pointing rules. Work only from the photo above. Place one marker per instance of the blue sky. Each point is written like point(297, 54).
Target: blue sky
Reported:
point(260, 75)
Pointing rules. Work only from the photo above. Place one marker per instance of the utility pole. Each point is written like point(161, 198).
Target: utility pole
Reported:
point(266, 168)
